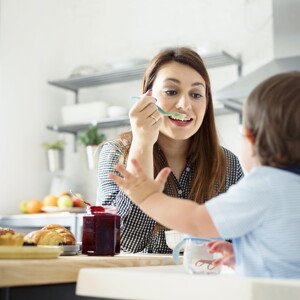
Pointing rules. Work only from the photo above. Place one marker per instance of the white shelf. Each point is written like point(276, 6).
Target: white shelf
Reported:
point(136, 72)
point(105, 123)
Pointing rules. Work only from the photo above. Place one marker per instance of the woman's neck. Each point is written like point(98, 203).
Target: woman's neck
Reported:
point(173, 149)
point(175, 153)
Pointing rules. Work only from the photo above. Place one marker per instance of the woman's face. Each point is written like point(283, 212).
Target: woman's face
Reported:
point(180, 88)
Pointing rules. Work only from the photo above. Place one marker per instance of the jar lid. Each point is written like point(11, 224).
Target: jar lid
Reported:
point(101, 209)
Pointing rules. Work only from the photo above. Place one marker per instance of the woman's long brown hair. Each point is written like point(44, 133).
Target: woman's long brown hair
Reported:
point(204, 151)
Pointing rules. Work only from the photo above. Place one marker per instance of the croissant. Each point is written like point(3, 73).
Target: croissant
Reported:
point(44, 237)
point(66, 234)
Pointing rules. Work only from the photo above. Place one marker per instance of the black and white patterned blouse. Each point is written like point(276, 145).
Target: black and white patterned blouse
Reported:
point(137, 233)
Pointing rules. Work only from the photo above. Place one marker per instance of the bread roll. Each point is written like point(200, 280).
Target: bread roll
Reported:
point(4, 231)
point(9, 239)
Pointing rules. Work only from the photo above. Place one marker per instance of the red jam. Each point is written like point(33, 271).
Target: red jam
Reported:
point(101, 231)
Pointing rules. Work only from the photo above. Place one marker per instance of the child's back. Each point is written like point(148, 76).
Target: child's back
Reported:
point(261, 214)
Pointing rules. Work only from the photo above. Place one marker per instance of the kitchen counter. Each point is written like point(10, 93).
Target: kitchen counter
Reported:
point(28, 272)
point(171, 282)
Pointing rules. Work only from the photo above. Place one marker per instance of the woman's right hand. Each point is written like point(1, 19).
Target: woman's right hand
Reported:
point(145, 120)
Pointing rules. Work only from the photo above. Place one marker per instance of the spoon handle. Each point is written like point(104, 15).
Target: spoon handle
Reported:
point(74, 195)
point(166, 113)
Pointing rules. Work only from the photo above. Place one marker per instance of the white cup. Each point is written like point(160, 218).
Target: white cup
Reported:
point(197, 260)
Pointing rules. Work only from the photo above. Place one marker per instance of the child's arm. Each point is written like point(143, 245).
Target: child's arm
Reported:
point(182, 215)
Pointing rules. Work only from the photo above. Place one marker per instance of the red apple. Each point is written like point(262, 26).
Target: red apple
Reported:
point(64, 194)
point(77, 201)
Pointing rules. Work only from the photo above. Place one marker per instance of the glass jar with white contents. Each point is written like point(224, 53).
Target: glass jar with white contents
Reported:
point(197, 259)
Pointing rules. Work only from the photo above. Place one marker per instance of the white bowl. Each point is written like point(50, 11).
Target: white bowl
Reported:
point(173, 238)
point(116, 111)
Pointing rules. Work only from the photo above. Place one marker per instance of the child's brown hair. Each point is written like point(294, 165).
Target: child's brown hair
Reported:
point(272, 115)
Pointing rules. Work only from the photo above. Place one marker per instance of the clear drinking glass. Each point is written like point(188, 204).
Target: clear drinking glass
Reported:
point(197, 260)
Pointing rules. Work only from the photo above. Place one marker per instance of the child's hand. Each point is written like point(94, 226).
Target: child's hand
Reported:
point(226, 249)
point(139, 187)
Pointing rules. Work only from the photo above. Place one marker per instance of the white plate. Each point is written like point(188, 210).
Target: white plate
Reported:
point(67, 249)
point(55, 209)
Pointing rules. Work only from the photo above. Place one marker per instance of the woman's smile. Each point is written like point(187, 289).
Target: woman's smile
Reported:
point(181, 123)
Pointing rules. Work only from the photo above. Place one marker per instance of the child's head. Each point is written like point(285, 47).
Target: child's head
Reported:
point(272, 120)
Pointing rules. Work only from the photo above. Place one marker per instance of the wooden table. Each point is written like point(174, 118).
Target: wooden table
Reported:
point(24, 273)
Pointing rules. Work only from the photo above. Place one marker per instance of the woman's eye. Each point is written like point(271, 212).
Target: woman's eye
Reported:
point(171, 92)
point(196, 96)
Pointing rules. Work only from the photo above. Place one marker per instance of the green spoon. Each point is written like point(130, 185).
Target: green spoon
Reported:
point(163, 112)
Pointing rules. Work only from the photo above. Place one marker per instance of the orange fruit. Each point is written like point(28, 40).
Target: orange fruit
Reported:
point(50, 200)
point(33, 206)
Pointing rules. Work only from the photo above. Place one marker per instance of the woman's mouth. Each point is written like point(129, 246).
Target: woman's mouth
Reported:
point(181, 122)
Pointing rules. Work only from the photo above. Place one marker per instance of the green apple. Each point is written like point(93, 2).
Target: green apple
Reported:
point(22, 207)
point(65, 201)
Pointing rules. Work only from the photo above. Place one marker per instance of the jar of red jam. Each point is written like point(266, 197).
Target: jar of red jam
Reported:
point(101, 231)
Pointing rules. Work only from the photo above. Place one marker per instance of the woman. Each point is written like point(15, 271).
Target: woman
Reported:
point(177, 81)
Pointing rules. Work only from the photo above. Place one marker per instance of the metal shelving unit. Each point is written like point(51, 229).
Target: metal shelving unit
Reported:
point(97, 79)
point(105, 123)
point(74, 84)
point(122, 75)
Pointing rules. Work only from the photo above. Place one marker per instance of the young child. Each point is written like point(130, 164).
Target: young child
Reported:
point(261, 213)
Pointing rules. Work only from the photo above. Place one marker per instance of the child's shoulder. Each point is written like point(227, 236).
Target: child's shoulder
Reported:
point(271, 177)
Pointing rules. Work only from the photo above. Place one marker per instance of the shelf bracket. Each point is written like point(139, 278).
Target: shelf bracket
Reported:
point(75, 141)
point(76, 97)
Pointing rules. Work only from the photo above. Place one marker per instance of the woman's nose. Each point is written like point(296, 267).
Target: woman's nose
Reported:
point(183, 103)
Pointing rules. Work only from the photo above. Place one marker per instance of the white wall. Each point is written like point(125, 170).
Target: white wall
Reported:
point(42, 40)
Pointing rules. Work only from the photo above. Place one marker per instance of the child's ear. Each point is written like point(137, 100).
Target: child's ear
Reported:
point(249, 136)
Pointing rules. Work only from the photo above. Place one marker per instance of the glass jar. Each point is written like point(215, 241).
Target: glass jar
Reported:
point(101, 231)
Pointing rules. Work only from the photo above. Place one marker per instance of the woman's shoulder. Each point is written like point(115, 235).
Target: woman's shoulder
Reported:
point(120, 142)
point(113, 143)
point(230, 156)
point(234, 169)
point(114, 146)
